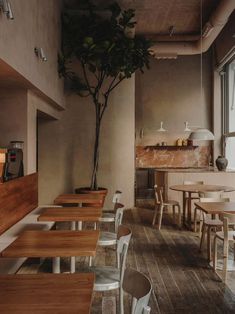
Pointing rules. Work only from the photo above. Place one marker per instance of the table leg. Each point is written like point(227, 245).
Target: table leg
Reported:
point(79, 225)
point(189, 210)
point(72, 264)
point(56, 265)
point(184, 208)
point(73, 225)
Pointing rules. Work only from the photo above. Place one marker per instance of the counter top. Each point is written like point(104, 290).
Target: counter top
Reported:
point(187, 170)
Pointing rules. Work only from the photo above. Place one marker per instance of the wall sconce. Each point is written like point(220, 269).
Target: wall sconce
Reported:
point(161, 129)
point(40, 54)
point(6, 9)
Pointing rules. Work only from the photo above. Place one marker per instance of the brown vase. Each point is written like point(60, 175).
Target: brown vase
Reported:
point(221, 163)
point(87, 190)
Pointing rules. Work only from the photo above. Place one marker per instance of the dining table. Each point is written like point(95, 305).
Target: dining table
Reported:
point(71, 214)
point(55, 244)
point(46, 293)
point(190, 189)
point(79, 199)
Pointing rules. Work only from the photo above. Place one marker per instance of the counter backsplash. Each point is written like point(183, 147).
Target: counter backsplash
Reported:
point(172, 158)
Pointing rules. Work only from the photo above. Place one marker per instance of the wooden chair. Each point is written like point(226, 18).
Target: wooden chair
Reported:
point(209, 224)
point(139, 287)
point(209, 194)
point(226, 236)
point(160, 204)
point(110, 238)
point(108, 277)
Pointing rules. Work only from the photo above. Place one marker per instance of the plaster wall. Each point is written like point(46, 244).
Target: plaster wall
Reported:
point(66, 147)
point(170, 92)
point(13, 117)
point(36, 24)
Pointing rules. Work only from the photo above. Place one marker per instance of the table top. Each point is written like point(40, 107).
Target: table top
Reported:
point(71, 214)
point(216, 207)
point(53, 243)
point(46, 293)
point(196, 188)
point(79, 199)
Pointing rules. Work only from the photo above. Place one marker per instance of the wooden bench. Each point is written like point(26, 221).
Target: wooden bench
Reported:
point(18, 212)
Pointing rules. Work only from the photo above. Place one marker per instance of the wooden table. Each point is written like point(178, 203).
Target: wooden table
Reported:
point(71, 214)
point(46, 293)
point(55, 244)
point(196, 188)
point(79, 199)
point(214, 208)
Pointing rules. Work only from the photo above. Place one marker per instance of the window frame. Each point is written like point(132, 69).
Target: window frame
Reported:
point(225, 104)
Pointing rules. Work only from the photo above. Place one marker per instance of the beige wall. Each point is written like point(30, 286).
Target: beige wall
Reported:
point(66, 147)
point(170, 92)
point(36, 24)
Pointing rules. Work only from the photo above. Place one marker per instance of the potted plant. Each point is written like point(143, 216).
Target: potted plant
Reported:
point(103, 44)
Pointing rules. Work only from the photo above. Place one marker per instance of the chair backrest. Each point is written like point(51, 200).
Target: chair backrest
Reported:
point(188, 182)
point(228, 220)
point(214, 200)
point(123, 239)
point(158, 190)
point(118, 217)
point(117, 197)
point(211, 194)
point(139, 287)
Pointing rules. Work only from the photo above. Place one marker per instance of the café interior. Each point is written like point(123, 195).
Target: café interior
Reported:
point(156, 235)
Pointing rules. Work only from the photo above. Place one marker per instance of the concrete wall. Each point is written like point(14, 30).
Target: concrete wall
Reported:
point(36, 24)
point(170, 92)
point(66, 147)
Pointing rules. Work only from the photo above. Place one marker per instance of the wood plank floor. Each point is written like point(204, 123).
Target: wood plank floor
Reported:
point(182, 280)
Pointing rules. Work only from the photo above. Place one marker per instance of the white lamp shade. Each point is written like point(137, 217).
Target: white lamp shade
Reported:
point(201, 135)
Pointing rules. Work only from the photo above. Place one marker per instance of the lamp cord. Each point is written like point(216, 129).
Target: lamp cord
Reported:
point(201, 52)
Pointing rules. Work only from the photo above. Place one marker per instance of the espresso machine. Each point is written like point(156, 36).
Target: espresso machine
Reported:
point(12, 165)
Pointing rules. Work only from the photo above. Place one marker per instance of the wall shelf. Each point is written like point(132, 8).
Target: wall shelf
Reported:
point(171, 147)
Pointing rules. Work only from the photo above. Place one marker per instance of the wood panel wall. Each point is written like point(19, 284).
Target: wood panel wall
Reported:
point(18, 197)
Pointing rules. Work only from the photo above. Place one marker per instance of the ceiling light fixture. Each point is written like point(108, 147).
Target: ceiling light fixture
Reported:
point(6, 9)
point(40, 54)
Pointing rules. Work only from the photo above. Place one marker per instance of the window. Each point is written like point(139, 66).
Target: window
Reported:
point(228, 91)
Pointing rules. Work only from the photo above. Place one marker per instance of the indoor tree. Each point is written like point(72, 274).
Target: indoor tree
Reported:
point(103, 43)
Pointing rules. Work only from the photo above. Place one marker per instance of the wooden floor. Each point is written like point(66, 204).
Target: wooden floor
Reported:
point(182, 280)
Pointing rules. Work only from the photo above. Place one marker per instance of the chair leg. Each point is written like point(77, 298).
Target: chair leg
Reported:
point(179, 216)
point(195, 220)
point(200, 224)
point(155, 215)
point(209, 243)
point(225, 259)
point(173, 210)
point(121, 301)
point(215, 254)
point(202, 236)
point(160, 217)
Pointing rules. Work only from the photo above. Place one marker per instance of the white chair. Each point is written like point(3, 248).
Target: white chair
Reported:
point(109, 277)
point(160, 204)
point(109, 215)
point(110, 238)
point(226, 236)
point(209, 223)
point(209, 194)
point(139, 287)
point(186, 196)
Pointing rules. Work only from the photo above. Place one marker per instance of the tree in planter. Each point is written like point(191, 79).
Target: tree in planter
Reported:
point(107, 54)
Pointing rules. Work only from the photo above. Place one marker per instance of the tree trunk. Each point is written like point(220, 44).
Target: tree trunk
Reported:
point(94, 184)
